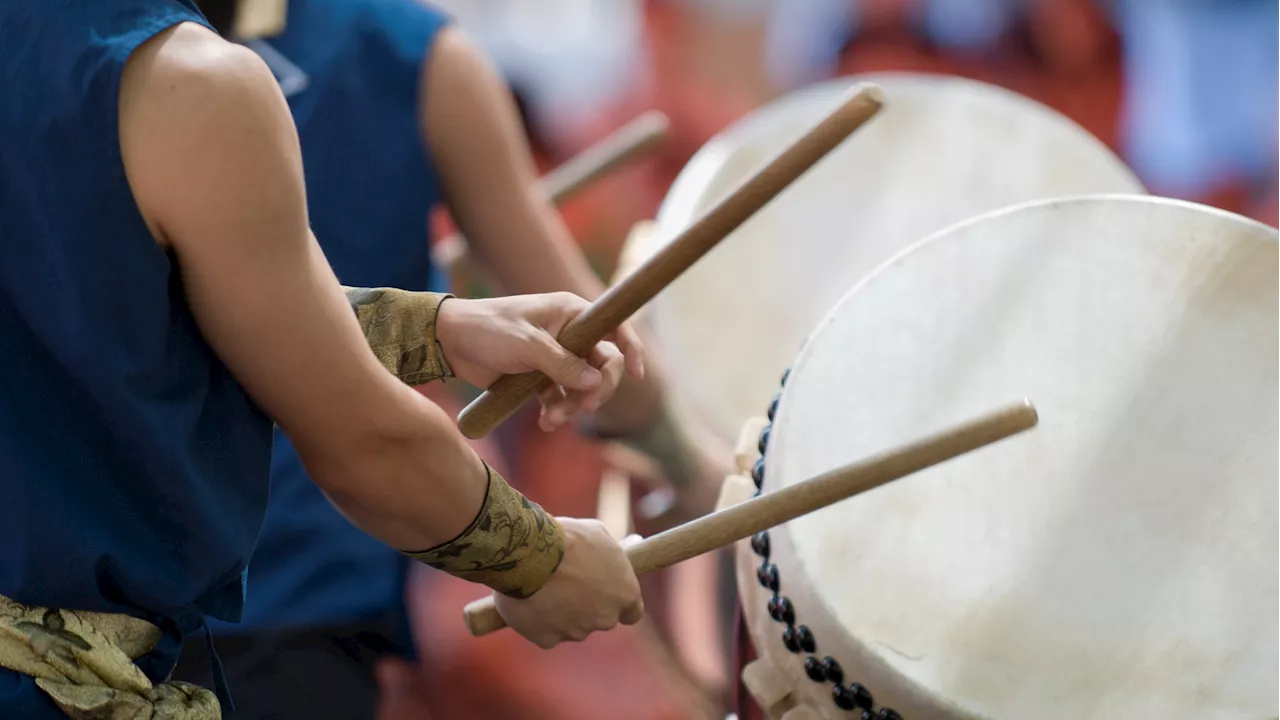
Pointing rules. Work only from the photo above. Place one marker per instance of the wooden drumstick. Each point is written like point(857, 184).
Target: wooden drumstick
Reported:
point(731, 524)
point(637, 138)
point(621, 301)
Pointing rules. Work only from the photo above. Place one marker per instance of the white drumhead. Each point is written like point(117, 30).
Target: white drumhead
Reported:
point(1117, 561)
point(944, 149)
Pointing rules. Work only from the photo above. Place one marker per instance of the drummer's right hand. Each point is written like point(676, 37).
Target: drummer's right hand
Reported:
point(593, 589)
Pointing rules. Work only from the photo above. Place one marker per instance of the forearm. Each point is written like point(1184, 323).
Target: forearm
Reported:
point(406, 476)
point(400, 327)
point(417, 486)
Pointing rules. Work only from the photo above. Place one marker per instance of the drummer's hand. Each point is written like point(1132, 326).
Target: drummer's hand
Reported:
point(593, 589)
point(667, 503)
point(485, 339)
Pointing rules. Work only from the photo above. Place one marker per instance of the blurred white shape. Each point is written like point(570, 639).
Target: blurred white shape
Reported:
point(568, 57)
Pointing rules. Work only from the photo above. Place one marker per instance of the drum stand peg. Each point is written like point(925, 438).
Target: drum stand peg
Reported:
point(801, 712)
point(634, 250)
point(746, 451)
point(738, 487)
point(771, 691)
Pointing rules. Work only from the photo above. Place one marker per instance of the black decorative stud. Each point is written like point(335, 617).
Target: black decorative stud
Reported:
point(773, 406)
point(861, 696)
point(785, 374)
point(775, 608)
point(889, 714)
point(832, 670)
point(843, 698)
point(764, 439)
point(767, 574)
point(760, 544)
point(807, 642)
point(813, 668)
point(791, 639)
point(757, 472)
point(786, 613)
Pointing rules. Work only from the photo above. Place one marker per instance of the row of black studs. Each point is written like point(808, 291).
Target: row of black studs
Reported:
point(799, 638)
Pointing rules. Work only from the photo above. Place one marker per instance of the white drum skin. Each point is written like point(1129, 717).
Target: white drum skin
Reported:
point(942, 150)
point(1119, 560)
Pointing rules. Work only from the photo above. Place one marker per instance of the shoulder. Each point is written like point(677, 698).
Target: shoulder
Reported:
point(455, 60)
point(191, 70)
point(197, 111)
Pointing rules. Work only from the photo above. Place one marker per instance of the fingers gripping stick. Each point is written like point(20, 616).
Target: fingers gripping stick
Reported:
point(621, 301)
point(734, 523)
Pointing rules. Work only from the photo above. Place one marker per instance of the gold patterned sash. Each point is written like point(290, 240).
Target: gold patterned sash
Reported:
point(84, 662)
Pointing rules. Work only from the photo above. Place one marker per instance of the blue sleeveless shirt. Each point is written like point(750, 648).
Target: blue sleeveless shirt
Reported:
point(351, 71)
point(133, 467)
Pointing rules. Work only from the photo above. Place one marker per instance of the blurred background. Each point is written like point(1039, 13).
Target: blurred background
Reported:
point(1184, 90)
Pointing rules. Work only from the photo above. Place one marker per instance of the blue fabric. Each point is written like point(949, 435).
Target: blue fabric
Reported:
point(1201, 92)
point(351, 71)
point(133, 468)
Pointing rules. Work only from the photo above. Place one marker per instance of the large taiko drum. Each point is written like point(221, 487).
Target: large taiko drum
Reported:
point(944, 149)
point(1117, 562)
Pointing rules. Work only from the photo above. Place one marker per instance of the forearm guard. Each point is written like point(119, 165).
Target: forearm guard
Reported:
point(400, 327)
point(512, 545)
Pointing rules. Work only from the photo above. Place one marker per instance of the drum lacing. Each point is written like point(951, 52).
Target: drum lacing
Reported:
point(798, 638)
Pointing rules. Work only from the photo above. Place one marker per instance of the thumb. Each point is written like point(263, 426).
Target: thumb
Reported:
point(563, 367)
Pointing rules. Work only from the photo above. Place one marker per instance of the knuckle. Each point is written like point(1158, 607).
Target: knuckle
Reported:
point(566, 298)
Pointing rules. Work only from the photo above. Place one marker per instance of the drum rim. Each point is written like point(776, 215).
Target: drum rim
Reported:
point(875, 666)
point(1064, 200)
point(678, 210)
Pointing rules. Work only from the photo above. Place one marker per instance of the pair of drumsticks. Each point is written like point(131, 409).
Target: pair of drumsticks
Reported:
point(622, 300)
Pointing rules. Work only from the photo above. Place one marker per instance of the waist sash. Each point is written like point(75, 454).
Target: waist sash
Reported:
point(84, 662)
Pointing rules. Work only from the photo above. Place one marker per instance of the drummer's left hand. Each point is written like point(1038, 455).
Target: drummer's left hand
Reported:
point(485, 339)
point(667, 503)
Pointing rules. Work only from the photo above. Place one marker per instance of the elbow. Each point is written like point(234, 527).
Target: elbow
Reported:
point(357, 453)
point(409, 481)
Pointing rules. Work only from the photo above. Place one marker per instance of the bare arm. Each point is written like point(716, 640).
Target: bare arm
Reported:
point(472, 126)
point(213, 158)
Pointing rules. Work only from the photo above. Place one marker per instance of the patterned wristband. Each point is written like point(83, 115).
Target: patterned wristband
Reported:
point(513, 545)
point(400, 327)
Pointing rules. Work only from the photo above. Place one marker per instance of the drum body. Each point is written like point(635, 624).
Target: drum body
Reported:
point(942, 150)
point(1119, 560)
